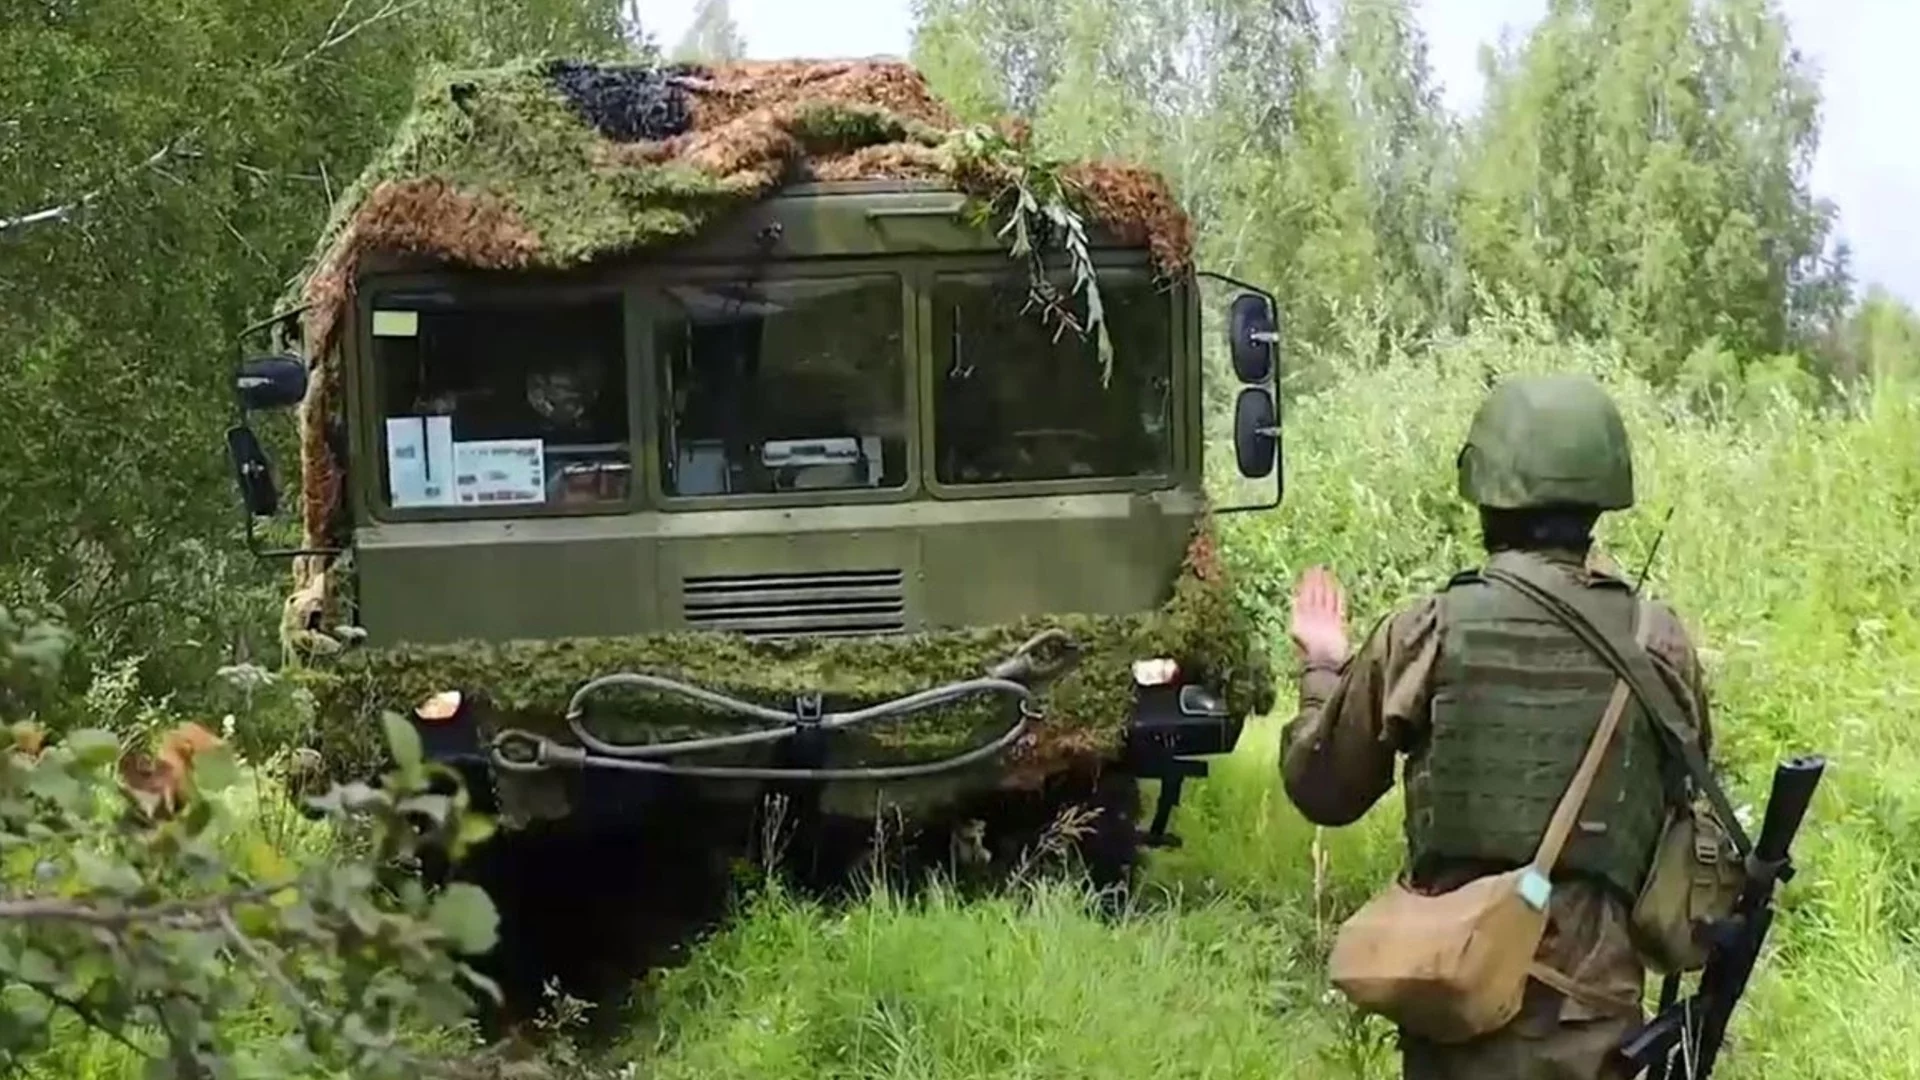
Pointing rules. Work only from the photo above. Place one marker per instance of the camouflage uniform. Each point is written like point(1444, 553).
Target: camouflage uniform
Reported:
point(1338, 760)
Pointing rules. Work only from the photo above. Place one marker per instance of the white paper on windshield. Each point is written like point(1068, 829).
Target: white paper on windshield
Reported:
point(396, 324)
point(493, 472)
point(420, 460)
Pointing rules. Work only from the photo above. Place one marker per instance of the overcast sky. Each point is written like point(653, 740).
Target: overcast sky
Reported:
point(1869, 160)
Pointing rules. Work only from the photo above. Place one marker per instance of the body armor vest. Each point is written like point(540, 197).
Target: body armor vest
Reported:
point(1516, 698)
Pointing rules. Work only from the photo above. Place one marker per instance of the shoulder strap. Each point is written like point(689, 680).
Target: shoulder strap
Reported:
point(1635, 668)
point(1561, 825)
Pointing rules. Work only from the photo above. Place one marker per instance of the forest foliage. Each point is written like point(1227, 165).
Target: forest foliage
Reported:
point(1639, 168)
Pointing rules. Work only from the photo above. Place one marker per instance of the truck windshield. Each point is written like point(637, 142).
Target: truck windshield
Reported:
point(782, 385)
point(1019, 399)
point(501, 402)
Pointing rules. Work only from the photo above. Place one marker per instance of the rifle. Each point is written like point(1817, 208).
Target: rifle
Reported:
point(1686, 1036)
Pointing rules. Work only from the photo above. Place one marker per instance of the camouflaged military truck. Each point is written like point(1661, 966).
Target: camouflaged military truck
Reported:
point(671, 437)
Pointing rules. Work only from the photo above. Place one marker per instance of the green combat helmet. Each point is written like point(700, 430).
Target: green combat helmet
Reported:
point(1547, 440)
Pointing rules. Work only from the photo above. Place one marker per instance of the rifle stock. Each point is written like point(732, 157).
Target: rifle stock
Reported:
point(1686, 1036)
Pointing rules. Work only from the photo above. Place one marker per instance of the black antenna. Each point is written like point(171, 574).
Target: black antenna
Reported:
point(1654, 550)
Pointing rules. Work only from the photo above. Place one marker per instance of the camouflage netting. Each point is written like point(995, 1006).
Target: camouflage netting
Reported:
point(553, 164)
point(527, 685)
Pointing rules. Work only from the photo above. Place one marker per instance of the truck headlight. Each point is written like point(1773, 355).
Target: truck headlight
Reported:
point(439, 708)
point(1156, 672)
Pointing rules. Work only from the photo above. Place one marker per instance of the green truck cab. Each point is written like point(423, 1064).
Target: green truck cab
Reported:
point(804, 495)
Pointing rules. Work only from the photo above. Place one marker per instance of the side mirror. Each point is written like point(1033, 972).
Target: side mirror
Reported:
point(270, 382)
point(1256, 436)
point(262, 384)
point(252, 472)
point(1252, 338)
point(1245, 318)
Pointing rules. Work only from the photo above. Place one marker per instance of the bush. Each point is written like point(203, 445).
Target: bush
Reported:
point(146, 903)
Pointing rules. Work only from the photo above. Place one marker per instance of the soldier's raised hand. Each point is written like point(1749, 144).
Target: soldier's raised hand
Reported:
point(1320, 617)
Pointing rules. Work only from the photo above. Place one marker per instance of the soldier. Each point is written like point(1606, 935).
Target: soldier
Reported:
point(1493, 703)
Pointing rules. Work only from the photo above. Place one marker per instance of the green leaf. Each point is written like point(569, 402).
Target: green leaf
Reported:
point(17, 862)
point(105, 875)
point(198, 816)
point(404, 741)
point(25, 1006)
point(466, 914)
point(216, 768)
point(435, 808)
point(362, 914)
point(85, 969)
point(93, 746)
point(264, 862)
point(443, 1005)
point(57, 786)
point(475, 829)
point(199, 950)
point(34, 966)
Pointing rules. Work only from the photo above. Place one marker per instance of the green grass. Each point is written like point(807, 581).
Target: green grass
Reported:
point(1791, 553)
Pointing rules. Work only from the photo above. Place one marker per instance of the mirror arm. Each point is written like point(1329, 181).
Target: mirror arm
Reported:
point(1238, 284)
point(264, 554)
point(275, 318)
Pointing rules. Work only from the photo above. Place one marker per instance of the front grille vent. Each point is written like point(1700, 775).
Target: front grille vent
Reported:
point(839, 603)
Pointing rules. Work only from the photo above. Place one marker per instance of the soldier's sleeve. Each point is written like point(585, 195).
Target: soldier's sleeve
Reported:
point(1677, 661)
point(1338, 752)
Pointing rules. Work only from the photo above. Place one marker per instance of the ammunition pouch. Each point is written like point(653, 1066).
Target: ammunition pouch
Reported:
point(1694, 882)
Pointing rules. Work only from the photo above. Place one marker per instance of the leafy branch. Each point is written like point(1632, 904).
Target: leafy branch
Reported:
point(1039, 206)
point(163, 925)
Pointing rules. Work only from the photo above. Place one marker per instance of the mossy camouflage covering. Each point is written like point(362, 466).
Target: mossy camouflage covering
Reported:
point(553, 165)
point(1204, 626)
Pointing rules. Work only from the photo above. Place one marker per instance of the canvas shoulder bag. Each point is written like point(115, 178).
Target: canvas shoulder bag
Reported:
point(1453, 966)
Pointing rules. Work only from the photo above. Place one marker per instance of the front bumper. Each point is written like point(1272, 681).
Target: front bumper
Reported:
point(1171, 726)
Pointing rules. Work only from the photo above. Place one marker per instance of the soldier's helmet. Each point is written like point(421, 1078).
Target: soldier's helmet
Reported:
point(1547, 441)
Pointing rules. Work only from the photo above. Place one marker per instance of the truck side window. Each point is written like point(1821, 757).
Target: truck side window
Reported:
point(499, 403)
point(782, 385)
point(1018, 399)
